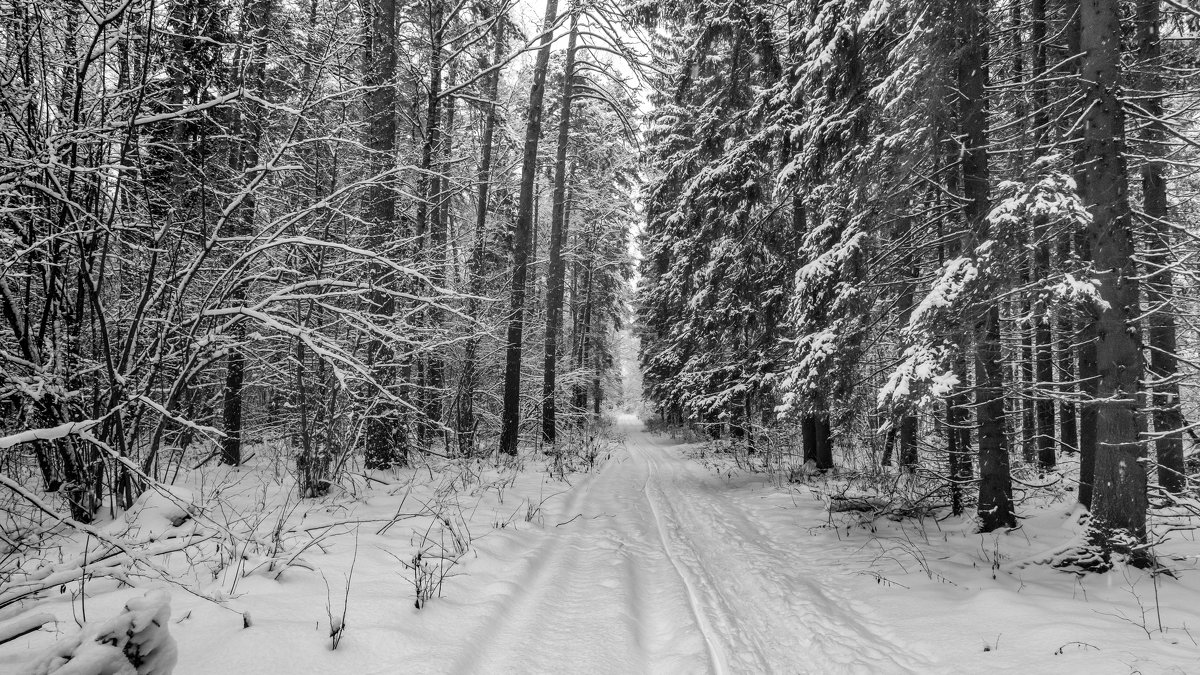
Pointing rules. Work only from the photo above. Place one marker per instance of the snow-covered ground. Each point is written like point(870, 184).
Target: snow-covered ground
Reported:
point(652, 563)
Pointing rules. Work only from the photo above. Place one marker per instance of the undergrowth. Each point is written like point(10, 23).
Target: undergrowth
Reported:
point(218, 526)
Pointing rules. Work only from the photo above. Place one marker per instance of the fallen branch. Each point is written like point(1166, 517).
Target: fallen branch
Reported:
point(843, 504)
point(12, 630)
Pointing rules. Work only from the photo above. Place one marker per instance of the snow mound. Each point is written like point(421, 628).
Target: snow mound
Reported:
point(135, 642)
point(159, 511)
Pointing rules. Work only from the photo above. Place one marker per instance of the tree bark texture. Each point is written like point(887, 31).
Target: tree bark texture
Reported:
point(1119, 478)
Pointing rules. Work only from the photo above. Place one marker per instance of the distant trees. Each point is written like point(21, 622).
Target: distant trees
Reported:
point(604, 88)
point(941, 197)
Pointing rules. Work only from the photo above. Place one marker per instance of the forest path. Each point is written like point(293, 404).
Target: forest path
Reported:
point(662, 569)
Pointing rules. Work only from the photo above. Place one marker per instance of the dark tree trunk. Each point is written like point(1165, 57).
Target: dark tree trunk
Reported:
point(384, 436)
point(595, 335)
point(1088, 389)
point(556, 275)
point(955, 457)
point(1043, 356)
point(1160, 286)
point(1068, 332)
point(426, 184)
point(995, 487)
point(582, 339)
point(313, 461)
point(909, 458)
point(1068, 411)
point(466, 421)
point(510, 420)
point(1043, 353)
point(1085, 336)
point(440, 235)
point(1023, 398)
point(808, 427)
point(824, 442)
point(889, 441)
point(428, 215)
point(1119, 480)
point(908, 422)
point(957, 420)
point(1025, 374)
point(245, 131)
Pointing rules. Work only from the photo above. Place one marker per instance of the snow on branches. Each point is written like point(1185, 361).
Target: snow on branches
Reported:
point(135, 642)
point(1046, 206)
point(1052, 198)
point(826, 312)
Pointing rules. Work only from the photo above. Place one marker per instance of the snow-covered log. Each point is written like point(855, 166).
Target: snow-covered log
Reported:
point(11, 630)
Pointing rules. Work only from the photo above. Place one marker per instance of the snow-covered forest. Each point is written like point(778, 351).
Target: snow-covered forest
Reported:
point(599, 336)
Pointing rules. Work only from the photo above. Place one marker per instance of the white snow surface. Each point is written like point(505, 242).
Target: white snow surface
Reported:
point(659, 563)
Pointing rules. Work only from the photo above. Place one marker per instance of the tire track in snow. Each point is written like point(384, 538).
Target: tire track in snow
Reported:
point(667, 570)
point(596, 595)
point(522, 598)
point(739, 642)
point(779, 599)
point(719, 661)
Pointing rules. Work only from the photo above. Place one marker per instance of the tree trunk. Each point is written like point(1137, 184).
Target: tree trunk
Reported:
point(995, 487)
point(1043, 352)
point(440, 233)
point(384, 436)
point(1119, 497)
point(428, 216)
point(556, 275)
point(597, 370)
point(908, 456)
point(808, 427)
point(1062, 327)
point(1160, 286)
point(823, 435)
point(582, 338)
point(313, 462)
point(511, 416)
point(957, 424)
point(1085, 336)
point(1024, 393)
point(466, 422)
point(245, 133)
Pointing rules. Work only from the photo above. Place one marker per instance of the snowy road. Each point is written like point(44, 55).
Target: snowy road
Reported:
point(661, 570)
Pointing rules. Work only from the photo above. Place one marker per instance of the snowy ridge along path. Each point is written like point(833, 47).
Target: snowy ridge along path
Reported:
point(659, 570)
